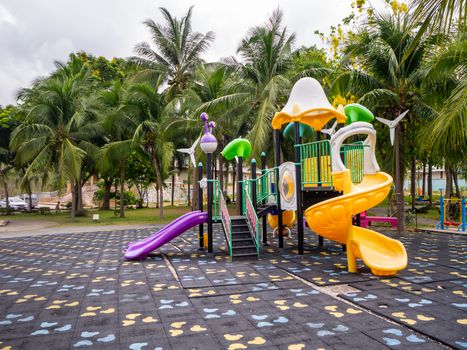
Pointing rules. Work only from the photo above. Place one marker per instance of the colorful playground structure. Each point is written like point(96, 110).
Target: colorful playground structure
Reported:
point(445, 206)
point(329, 181)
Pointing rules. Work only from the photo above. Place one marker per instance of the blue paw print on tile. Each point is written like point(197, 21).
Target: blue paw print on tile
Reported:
point(462, 344)
point(98, 292)
point(213, 313)
point(69, 287)
point(13, 318)
point(50, 327)
point(413, 304)
point(170, 304)
point(225, 281)
point(88, 338)
point(340, 328)
point(300, 293)
point(43, 283)
point(360, 298)
point(263, 286)
point(263, 323)
point(137, 346)
point(412, 338)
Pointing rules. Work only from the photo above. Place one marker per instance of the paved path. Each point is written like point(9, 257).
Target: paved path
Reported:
point(77, 291)
point(17, 228)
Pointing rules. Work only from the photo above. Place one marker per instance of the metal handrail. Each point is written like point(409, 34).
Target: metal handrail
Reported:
point(264, 190)
point(252, 218)
point(225, 219)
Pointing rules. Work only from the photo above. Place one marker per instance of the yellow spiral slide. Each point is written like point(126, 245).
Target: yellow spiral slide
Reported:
point(332, 219)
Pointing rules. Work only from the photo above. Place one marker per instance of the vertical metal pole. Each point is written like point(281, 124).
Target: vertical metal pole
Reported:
point(298, 188)
point(264, 183)
point(240, 185)
point(318, 159)
point(209, 176)
point(200, 205)
point(441, 214)
point(318, 169)
point(464, 219)
point(277, 153)
point(253, 183)
point(399, 186)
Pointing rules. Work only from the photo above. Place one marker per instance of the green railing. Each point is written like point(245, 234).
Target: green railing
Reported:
point(316, 163)
point(215, 199)
point(225, 219)
point(251, 218)
point(353, 157)
point(264, 187)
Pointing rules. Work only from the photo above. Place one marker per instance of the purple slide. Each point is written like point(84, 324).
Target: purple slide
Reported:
point(141, 249)
point(162, 230)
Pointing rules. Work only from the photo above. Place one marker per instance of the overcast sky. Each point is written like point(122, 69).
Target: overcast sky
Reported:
point(35, 33)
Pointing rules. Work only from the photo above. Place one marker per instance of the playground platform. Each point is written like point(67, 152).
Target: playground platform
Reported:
point(76, 291)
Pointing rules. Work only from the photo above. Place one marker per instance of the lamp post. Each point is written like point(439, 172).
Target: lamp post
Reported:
point(208, 144)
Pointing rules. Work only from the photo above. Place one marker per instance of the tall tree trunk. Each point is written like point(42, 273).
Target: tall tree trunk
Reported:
point(456, 183)
point(157, 197)
point(413, 181)
point(155, 164)
point(430, 183)
point(79, 196)
point(172, 195)
point(400, 179)
point(448, 192)
point(28, 188)
point(423, 179)
point(73, 199)
point(122, 189)
point(5, 188)
point(106, 197)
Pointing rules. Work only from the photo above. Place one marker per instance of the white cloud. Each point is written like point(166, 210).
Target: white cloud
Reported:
point(6, 16)
point(33, 34)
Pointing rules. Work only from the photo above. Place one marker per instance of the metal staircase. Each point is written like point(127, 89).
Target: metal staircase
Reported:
point(243, 239)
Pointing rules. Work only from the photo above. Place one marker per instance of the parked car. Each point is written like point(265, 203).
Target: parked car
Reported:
point(15, 203)
point(34, 200)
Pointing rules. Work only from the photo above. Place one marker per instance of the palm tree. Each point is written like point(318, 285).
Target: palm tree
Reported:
point(254, 94)
point(54, 113)
point(152, 128)
point(117, 129)
point(386, 83)
point(446, 84)
point(266, 52)
point(177, 50)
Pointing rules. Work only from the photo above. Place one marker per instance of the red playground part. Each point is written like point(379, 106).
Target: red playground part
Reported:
point(366, 221)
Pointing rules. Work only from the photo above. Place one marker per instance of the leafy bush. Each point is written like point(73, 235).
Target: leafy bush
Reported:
point(128, 199)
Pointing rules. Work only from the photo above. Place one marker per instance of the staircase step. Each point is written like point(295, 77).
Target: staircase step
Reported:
point(247, 246)
point(244, 255)
point(241, 239)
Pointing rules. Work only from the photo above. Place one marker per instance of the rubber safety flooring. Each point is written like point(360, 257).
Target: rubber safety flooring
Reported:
point(77, 291)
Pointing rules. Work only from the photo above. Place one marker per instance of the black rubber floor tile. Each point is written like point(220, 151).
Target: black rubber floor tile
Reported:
point(49, 342)
point(398, 337)
point(355, 341)
point(144, 342)
point(201, 341)
point(230, 324)
point(250, 338)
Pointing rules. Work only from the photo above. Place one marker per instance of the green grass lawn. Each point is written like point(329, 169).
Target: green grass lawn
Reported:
point(106, 217)
point(133, 216)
